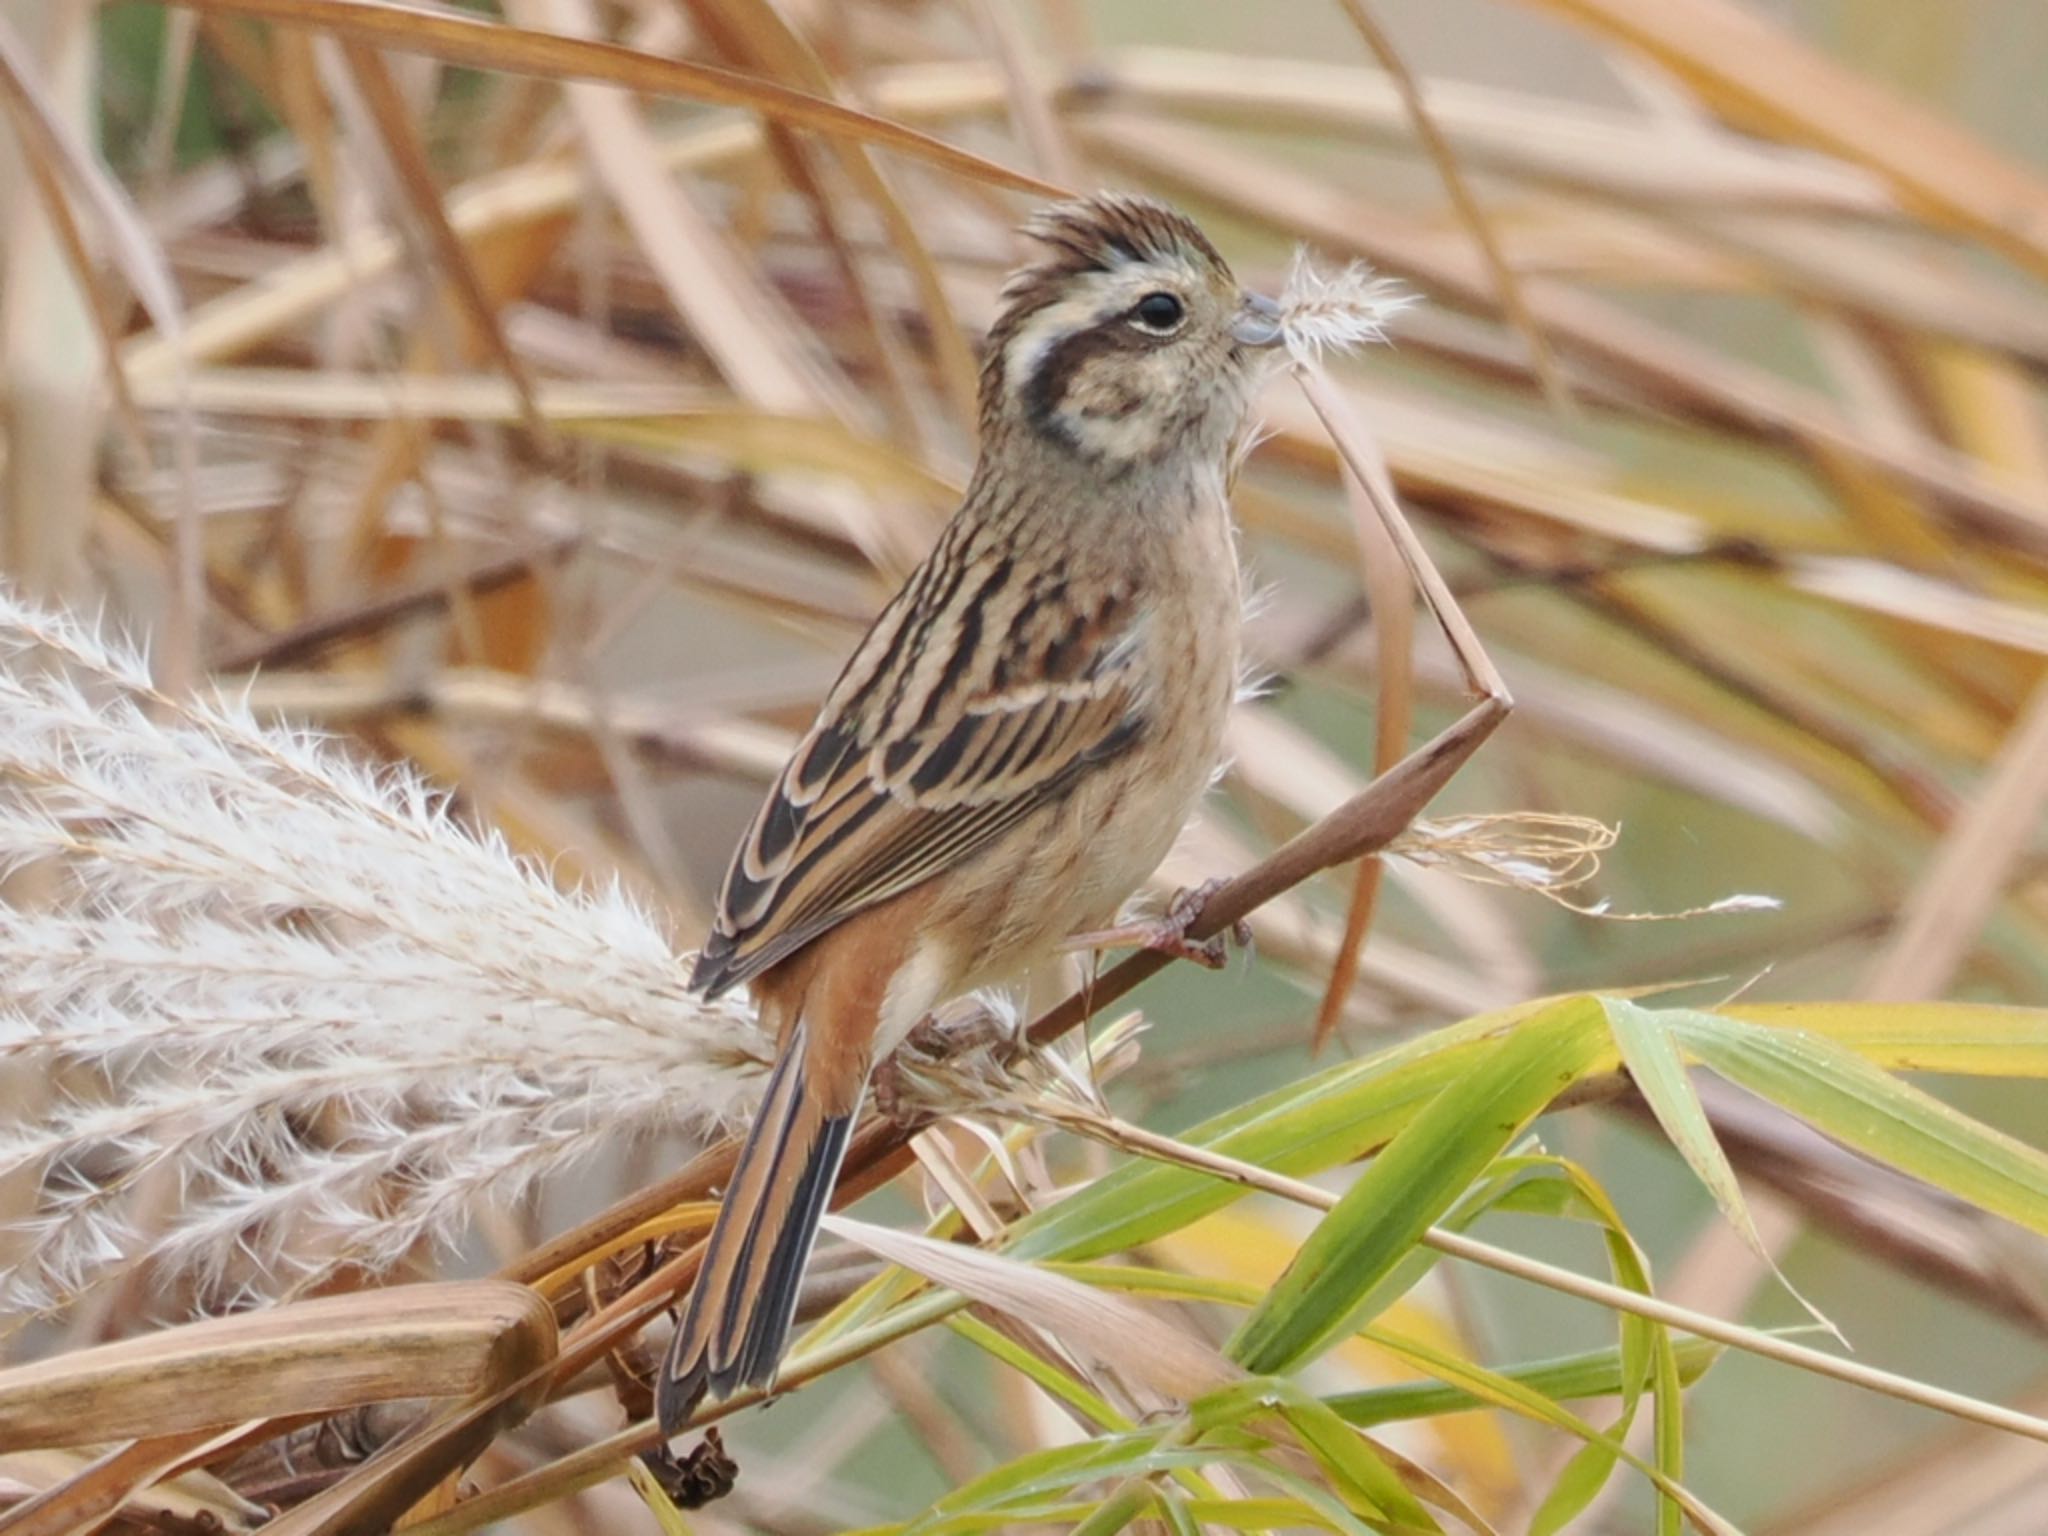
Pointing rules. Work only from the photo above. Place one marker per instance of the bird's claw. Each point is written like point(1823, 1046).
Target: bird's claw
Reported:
point(704, 1476)
point(895, 1100)
point(1167, 934)
point(935, 1044)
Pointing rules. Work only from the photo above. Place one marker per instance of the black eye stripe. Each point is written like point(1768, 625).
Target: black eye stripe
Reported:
point(1047, 387)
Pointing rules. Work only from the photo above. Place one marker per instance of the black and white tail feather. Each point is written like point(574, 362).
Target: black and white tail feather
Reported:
point(732, 1335)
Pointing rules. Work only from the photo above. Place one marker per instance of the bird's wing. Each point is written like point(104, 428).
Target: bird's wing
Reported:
point(967, 708)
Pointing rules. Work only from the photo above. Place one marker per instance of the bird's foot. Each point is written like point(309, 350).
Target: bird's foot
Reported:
point(940, 1048)
point(1168, 933)
point(896, 1099)
point(703, 1476)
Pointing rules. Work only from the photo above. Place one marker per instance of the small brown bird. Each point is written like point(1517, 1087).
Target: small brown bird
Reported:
point(1016, 743)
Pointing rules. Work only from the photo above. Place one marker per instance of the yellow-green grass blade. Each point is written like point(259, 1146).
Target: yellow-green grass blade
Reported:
point(1304, 1491)
point(1258, 1514)
point(1657, 1064)
point(1492, 1388)
point(1670, 1432)
point(1368, 1484)
point(1349, 1110)
point(1658, 1069)
point(1058, 1512)
point(1590, 1373)
point(1173, 1512)
point(1579, 1483)
point(1333, 1117)
point(1971, 1039)
point(1116, 1512)
point(1049, 1378)
point(1056, 1472)
point(1420, 1175)
point(1833, 1088)
point(1645, 1348)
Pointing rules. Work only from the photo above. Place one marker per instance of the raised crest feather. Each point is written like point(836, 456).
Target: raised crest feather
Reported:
point(1099, 234)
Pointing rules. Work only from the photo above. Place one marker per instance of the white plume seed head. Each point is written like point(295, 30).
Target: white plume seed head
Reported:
point(280, 1011)
point(1338, 310)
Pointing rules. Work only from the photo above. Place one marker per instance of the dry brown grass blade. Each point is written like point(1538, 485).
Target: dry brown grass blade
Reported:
point(174, 73)
point(371, 1500)
point(1505, 281)
point(1362, 458)
point(1967, 1484)
point(1889, 521)
point(48, 136)
point(180, 1495)
point(1608, 153)
point(1368, 475)
point(1755, 72)
point(604, 1459)
point(1978, 855)
point(448, 1340)
point(1030, 94)
point(339, 394)
point(393, 117)
point(1668, 371)
point(1392, 598)
point(910, 1386)
point(1939, 606)
point(522, 197)
point(1634, 164)
point(1275, 760)
point(718, 296)
point(1664, 371)
point(458, 39)
point(738, 43)
point(760, 29)
point(401, 455)
point(393, 601)
point(1664, 744)
point(56, 207)
point(1846, 747)
point(519, 195)
point(50, 388)
point(1895, 288)
point(1117, 1332)
point(86, 1501)
point(302, 101)
point(375, 1495)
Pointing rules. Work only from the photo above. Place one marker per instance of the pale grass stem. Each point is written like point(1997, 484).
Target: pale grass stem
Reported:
point(1126, 1137)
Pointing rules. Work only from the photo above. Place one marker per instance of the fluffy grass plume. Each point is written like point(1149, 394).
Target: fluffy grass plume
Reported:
point(270, 1011)
point(1336, 311)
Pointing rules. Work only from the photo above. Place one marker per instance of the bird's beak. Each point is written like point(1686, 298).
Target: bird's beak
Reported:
point(1257, 323)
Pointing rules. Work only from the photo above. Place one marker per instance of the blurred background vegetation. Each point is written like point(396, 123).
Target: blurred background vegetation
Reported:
point(561, 439)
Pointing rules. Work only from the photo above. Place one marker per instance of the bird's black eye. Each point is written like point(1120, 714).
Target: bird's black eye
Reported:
point(1159, 313)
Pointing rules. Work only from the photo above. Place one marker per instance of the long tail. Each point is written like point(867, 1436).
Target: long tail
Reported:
point(738, 1319)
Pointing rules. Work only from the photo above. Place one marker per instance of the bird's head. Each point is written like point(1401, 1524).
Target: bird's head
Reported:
point(1130, 343)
